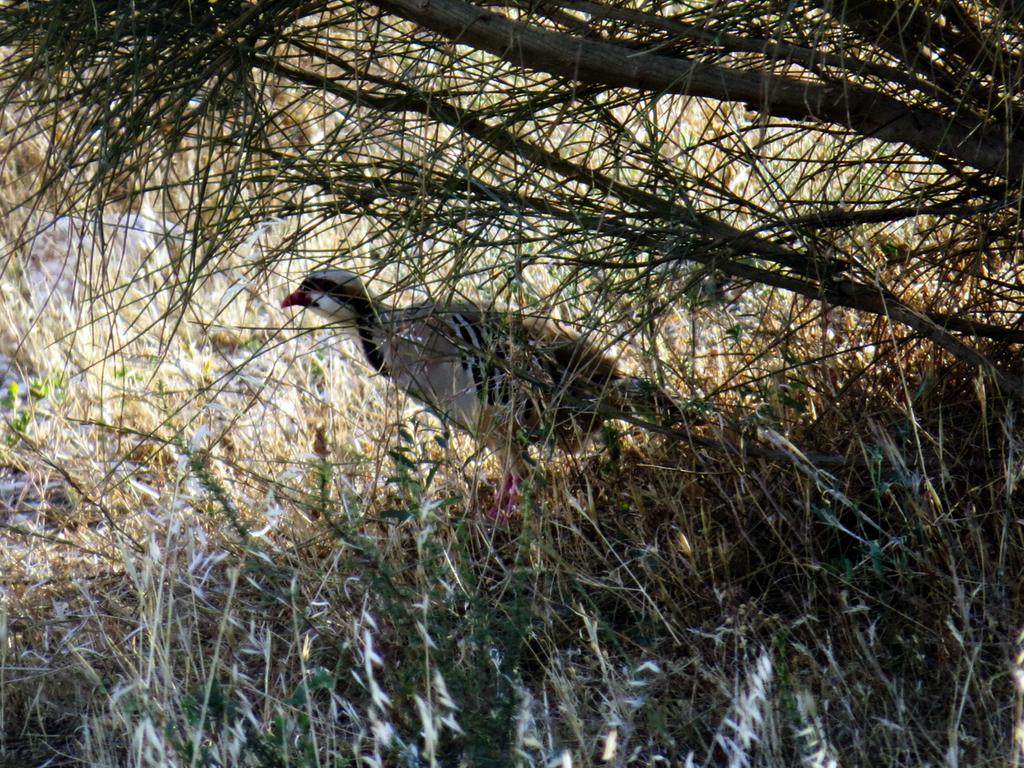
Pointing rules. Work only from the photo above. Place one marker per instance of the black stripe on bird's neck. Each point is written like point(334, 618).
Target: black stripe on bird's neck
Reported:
point(371, 347)
point(366, 324)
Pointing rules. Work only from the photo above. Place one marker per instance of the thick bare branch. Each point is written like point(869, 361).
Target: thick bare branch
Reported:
point(594, 62)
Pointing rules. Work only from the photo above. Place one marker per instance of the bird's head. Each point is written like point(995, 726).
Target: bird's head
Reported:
point(337, 294)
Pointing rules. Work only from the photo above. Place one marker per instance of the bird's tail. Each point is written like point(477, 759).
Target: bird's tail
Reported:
point(646, 400)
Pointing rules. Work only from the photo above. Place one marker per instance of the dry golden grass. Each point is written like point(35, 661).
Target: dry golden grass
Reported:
point(217, 548)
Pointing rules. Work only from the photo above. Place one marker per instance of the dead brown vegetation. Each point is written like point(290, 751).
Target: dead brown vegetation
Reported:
point(224, 543)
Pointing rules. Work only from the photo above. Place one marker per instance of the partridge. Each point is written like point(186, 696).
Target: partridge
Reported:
point(506, 379)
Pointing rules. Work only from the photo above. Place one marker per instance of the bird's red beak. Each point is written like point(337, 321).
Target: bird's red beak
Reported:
point(297, 299)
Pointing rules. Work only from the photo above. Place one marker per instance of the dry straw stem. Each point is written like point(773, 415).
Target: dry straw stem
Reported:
point(223, 542)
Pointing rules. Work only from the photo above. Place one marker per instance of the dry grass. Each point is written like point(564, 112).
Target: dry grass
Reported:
point(223, 543)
